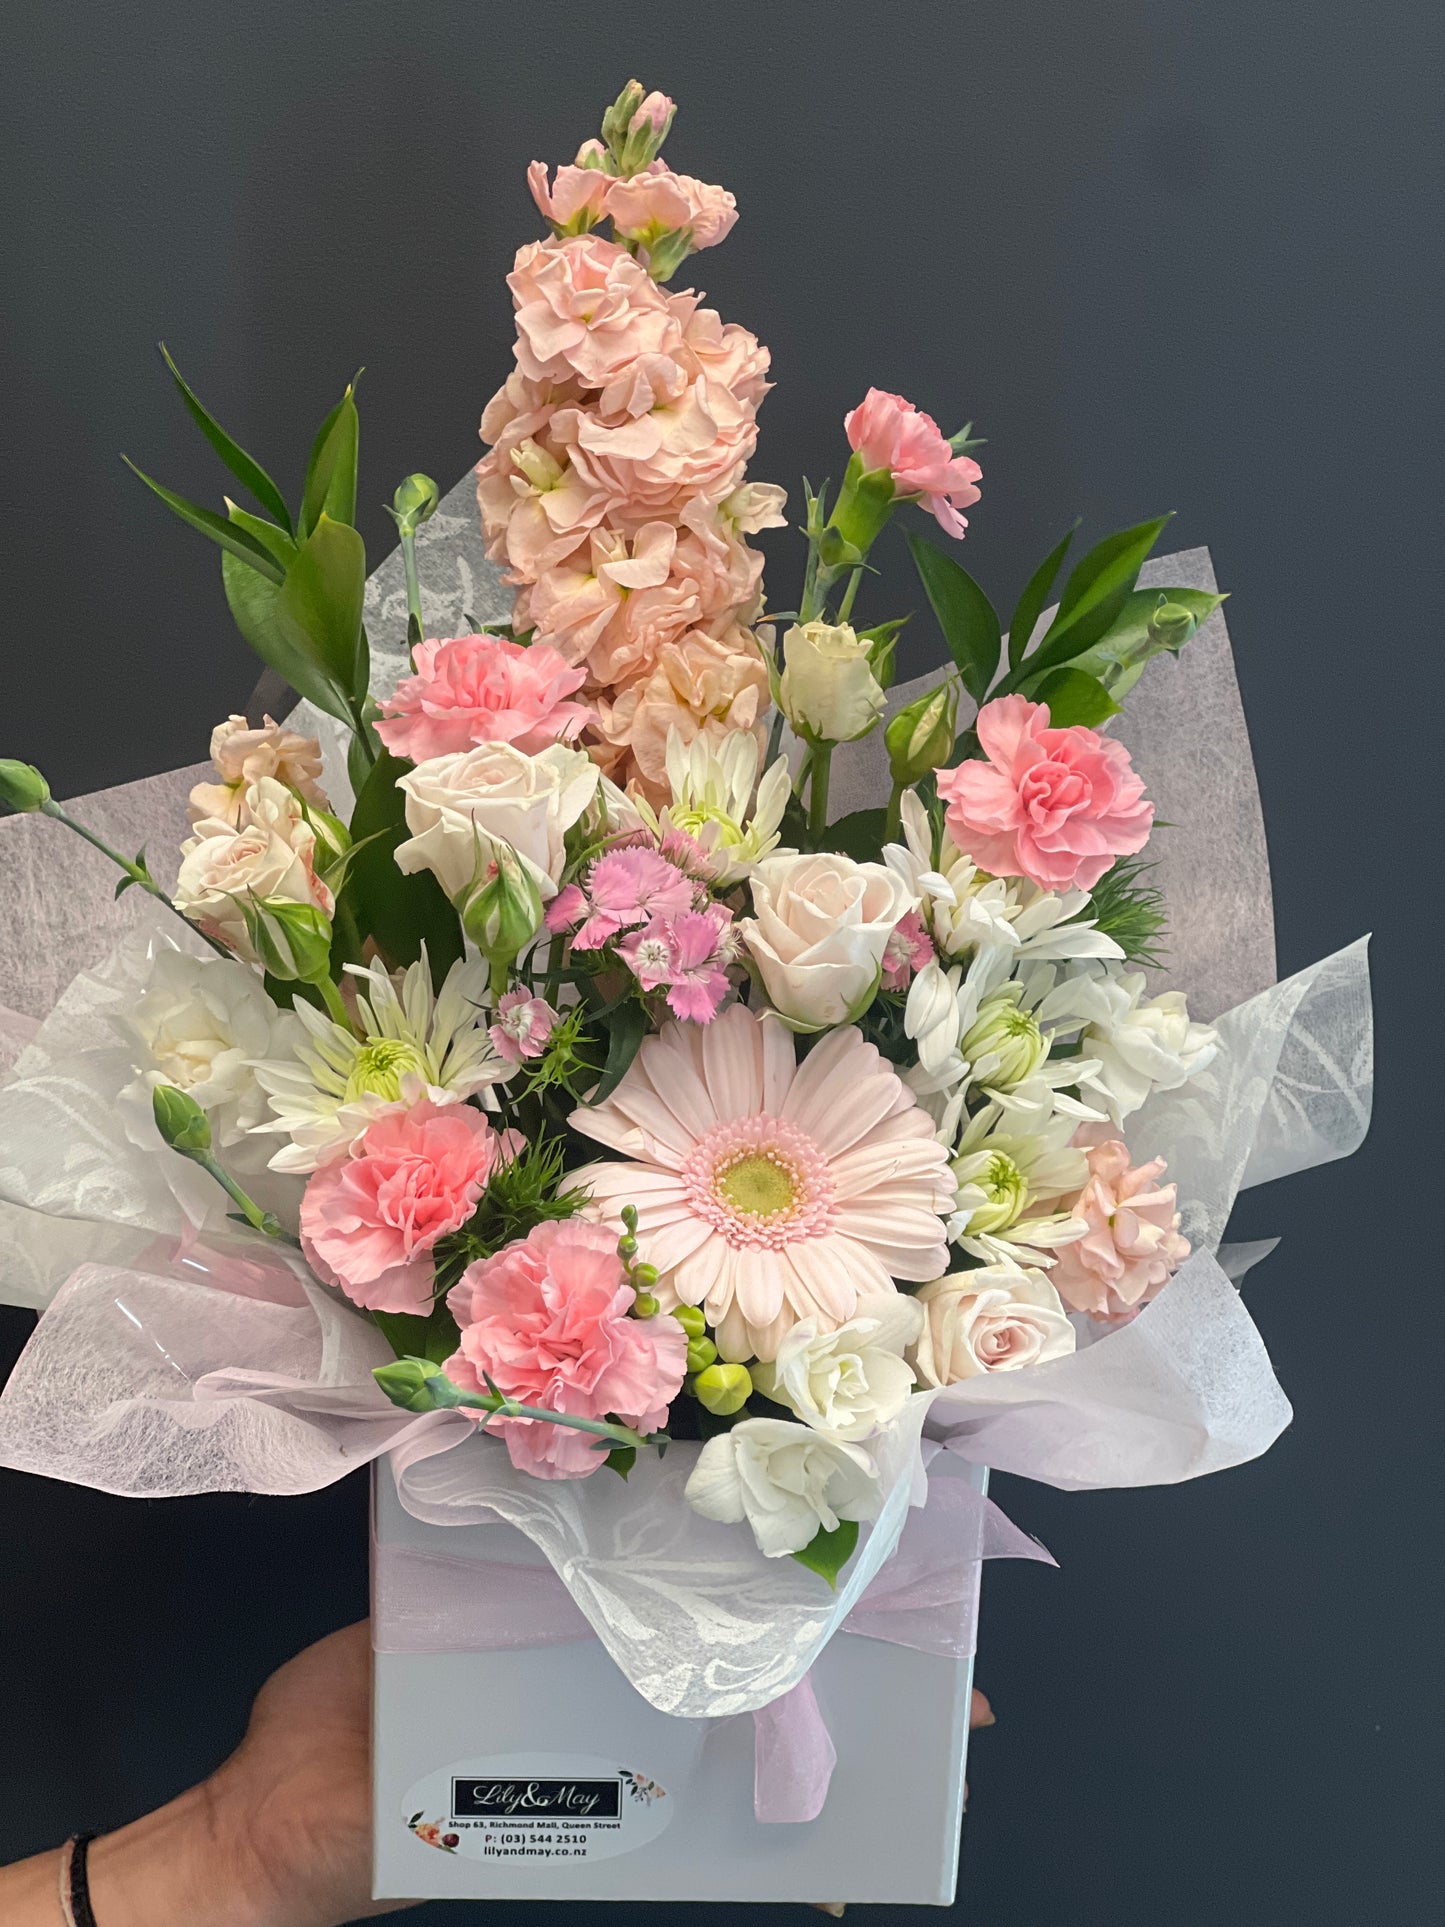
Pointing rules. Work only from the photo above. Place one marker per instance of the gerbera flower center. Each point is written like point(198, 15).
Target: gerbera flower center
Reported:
point(760, 1181)
point(380, 1067)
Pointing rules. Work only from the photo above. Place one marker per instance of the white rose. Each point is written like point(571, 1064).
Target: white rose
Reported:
point(822, 925)
point(1143, 1044)
point(273, 854)
point(845, 1383)
point(994, 1319)
point(787, 1482)
point(528, 802)
point(201, 1023)
point(828, 690)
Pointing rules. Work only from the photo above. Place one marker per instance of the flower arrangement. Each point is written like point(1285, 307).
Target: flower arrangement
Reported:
point(583, 1050)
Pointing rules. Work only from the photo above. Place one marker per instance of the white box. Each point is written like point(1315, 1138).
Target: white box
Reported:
point(550, 1778)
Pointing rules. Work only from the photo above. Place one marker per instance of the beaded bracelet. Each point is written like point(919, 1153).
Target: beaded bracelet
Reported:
point(75, 1905)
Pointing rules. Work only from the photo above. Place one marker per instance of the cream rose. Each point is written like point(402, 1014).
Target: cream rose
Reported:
point(828, 691)
point(273, 856)
point(528, 802)
point(994, 1319)
point(821, 926)
point(845, 1383)
point(787, 1482)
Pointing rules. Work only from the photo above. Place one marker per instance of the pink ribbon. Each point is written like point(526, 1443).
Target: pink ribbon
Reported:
point(925, 1597)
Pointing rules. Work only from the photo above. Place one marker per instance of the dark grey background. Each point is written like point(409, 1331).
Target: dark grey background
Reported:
point(1167, 255)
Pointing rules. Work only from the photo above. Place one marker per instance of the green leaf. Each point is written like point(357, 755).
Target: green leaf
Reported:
point(235, 541)
point(252, 600)
point(331, 471)
point(625, 1032)
point(320, 604)
point(1119, 657)
point(1074, 697)
point(247, 471)
point(434, 1338)
point(828, 1552)
point(859, 835)
point(1030, 604)
point(1093, 597)
point(622, 1458)
point(399, 913)
point(967, 618)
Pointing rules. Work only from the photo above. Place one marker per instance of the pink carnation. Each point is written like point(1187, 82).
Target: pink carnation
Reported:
point(547, 1321)
point(889, 432)
point(1056, 806)
point(469, 690)
point(1132, 1246)
point(629, 887)
point(369, 1221)
point(687, 955)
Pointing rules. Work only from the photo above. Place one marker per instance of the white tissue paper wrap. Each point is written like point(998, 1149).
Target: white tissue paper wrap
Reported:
point(179, 1356)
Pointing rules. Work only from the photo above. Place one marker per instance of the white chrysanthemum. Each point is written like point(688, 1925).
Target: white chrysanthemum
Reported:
point(712, 783)
point(410, 1046)
point(1008, 1179)
point(965, 909)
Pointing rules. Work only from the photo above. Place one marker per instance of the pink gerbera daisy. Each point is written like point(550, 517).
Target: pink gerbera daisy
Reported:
point(768, 1191)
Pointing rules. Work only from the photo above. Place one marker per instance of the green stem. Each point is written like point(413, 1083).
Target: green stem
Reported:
point(446, 1394)
point(893, 820)
point(137, 872)
point(845, 607)
point(806, 609)
point(334, 1002)
point(775, 738)
point(818, 789)
point(415, 631)
point(265, 1222)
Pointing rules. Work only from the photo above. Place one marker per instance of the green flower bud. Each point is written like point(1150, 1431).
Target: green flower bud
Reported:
point(635, 126)
point(700, 1354)
point(22, 787)
point(644, 1305)
point(1171, 625)
point(414, 502)
point(1004, 1045)
point(292, 940)
point(409, 1383)
point(723, 1389)
point(920, 737)
point(180, 1120)
point(691, 1318)
point(644, 1276)
point(503, 910)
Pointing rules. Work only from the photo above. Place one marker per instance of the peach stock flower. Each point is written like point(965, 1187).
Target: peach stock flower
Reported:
point(243, 755)
point(1132, 1246)
point(889, 432)
point(769, 1191)
point(585, 308)
point(547, 1321)
point(574, 200)
point(369, 1221)
point(651, 203)
point(481, 689)
point(1055, 806)
point(703, 685)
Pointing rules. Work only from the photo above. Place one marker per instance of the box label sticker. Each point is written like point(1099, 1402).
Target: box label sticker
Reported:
point(537, 1806)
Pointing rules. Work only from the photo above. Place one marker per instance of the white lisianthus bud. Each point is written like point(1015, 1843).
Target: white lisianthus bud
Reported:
point(845, 1383)
point(1004, 1046)
point(920, 737)
point(503, 910)
point(788, 1483)
point(828, 691)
